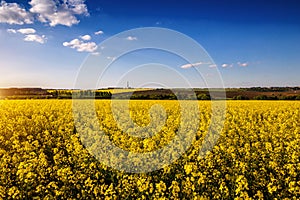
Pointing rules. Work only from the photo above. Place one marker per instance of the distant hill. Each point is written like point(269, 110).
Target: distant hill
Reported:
point(261, 93)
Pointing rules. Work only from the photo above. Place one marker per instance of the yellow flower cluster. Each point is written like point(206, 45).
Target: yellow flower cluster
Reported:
point(42, 155)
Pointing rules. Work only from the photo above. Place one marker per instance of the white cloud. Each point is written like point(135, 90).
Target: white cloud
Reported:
point(111, 58)
point(96, 53)
point(71, 43)
point(29, 35)
point(11, 30)
point(131, 38)
point(35, 38)
point(22, 30)
point(55, 13)
point(81, 46)
point(225, 65)
point(240, 64)
point(99, 32)
point(245, 64)
point(86, 37)
point(193, 65)
point(213, 66)
point(26, 30)
point(12, 13)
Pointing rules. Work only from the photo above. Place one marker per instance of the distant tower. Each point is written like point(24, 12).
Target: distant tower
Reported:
point(128, 84)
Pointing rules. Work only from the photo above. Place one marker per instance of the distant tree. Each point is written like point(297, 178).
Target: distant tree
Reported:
point(102, 95)
point(261, 97)
point(273, 98)
point(54, 93)
point(203, 96)
point(288, 98)
point(240, 97)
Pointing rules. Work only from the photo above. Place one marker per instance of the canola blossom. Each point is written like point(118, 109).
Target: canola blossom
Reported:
point(43, 154)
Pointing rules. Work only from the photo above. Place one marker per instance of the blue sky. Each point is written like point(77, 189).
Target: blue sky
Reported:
point(43, 43)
